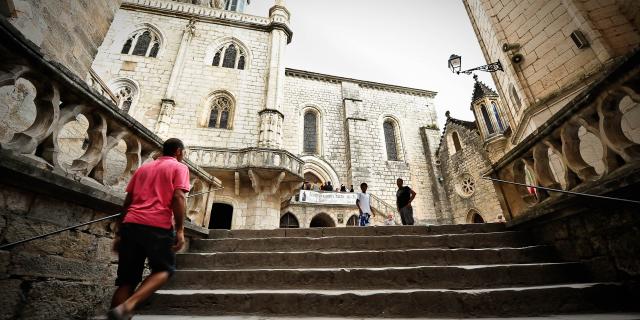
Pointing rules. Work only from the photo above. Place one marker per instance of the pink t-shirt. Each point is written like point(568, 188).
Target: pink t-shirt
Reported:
point(151, 189)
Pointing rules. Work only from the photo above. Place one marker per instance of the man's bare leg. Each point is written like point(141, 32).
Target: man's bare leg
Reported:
point(152, 283)
point(122, 294)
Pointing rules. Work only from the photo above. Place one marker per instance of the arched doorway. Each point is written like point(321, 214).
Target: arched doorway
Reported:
point(322, 220)
point(474, 216)
point(312, 178)
point(353, 221)
point(477, 218)
point(221, 216)
point(288, 220)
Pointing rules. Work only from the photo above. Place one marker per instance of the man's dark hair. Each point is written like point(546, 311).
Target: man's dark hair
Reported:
point(364, 184)
point(172, 145)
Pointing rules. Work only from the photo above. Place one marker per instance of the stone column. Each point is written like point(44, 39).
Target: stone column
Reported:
point(168, 103)
point(357, 129)
point(271, 117)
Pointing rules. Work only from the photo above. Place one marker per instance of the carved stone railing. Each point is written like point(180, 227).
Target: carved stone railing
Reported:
point(588, 146)
point(114, 145)
point(96, 83)
point(249, 158)
point(384, 209)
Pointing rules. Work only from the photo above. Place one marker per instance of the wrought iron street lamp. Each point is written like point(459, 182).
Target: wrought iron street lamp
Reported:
point(455, 64)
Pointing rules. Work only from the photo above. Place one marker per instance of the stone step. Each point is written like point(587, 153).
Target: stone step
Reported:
point(421, 277)
point(465, 240)
point(359, 231)
point(589, 316)
point(521, 301)
point(369, 258)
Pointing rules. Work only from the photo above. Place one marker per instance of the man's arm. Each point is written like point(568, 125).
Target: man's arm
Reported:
point(358, 205)
point(179, 205)
point(413, 195)
point(125, 207)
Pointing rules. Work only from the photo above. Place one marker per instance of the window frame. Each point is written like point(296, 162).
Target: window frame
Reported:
point(399, 146)
point(209, 107)
point(156, 40)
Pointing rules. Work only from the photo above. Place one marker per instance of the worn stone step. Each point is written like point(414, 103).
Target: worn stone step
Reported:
point(588, 316)
point(369, 258)
point(521, 301)
point(359, 231)
point(421, 277)
point(465, 240)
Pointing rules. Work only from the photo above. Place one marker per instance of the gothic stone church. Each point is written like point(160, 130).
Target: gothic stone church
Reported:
point(215, 77)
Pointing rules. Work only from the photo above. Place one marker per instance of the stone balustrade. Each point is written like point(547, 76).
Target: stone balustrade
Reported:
point(76, 132)
point(590, 143)
point(97, 84)
point(249, 158)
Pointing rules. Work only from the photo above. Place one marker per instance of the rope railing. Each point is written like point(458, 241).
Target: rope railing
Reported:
point(13, 244)
point(563, 191)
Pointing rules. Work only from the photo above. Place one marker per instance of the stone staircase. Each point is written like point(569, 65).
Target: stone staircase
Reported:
point(477, 270)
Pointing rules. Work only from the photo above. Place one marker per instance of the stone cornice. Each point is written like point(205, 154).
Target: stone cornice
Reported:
point(206, 14)
point(366, 84)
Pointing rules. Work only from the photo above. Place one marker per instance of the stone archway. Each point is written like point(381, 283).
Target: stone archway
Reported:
point(288, 220)
point(353, 221)
point(473, 216)
point(322, 220)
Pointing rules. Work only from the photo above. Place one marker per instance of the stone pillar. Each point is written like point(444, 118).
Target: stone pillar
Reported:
point(168, 103)
point(263, 208)
point(357, 129)
point(270, 125)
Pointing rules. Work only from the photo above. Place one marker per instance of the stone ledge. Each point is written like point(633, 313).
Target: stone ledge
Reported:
point(22, 172)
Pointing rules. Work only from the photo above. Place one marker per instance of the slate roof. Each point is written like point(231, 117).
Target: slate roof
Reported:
point(481, 90)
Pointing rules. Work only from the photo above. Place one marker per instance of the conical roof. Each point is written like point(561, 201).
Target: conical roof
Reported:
point(481, 90)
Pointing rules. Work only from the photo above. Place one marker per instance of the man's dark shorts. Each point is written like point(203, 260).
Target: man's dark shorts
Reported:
point(139, 242)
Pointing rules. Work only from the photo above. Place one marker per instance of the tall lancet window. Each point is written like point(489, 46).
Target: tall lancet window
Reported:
point(487, 119)
point(391, 140)
point(310, 142)
point(497, 114)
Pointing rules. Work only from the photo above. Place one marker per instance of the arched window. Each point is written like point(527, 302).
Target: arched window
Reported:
point(456, 141)
point(353, 221)
point(515, 99)
point(288, 220)
point(230, 56)
point(126, 91)
point(391, 140)
point(221, 112)
point(487, 119)
point(310, 132)
point(496, 113)
point(144, 42)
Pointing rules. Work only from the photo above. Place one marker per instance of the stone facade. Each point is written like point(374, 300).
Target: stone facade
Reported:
point(175, 89)
point(554, 69)
point(66, 31)
point(463, 161)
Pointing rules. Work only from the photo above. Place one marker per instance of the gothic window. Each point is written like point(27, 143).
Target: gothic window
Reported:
point(126, 93)
point(310, 139)
point(143, 43)
point(496, 113)
point(391, 141)
point(487, 119)
point(289, 221)
point(221, 111)
point(456, 141)
point(230, 56)
point(515, 99)
point(235, 5)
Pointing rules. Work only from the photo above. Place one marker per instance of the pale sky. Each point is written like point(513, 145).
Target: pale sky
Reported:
point(401, 42)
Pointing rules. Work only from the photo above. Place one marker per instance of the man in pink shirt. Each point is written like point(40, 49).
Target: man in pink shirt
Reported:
point(154, 207)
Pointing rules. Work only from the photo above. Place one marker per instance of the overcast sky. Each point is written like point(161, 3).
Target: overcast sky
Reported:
point(401, 42)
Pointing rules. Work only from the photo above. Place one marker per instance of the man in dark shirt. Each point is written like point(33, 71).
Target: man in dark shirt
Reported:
point(404, 196)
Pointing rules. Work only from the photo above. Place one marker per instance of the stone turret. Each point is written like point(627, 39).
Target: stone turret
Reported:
point(492, 125)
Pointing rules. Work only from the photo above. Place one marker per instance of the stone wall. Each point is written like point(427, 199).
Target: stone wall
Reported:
point(67, 31)
point(469, 164)
point(66, 276)
point(605, 235)
point(306, 212)
point(553, 70)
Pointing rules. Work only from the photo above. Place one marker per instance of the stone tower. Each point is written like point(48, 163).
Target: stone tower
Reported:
point(490, 120)
point(550, 50)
